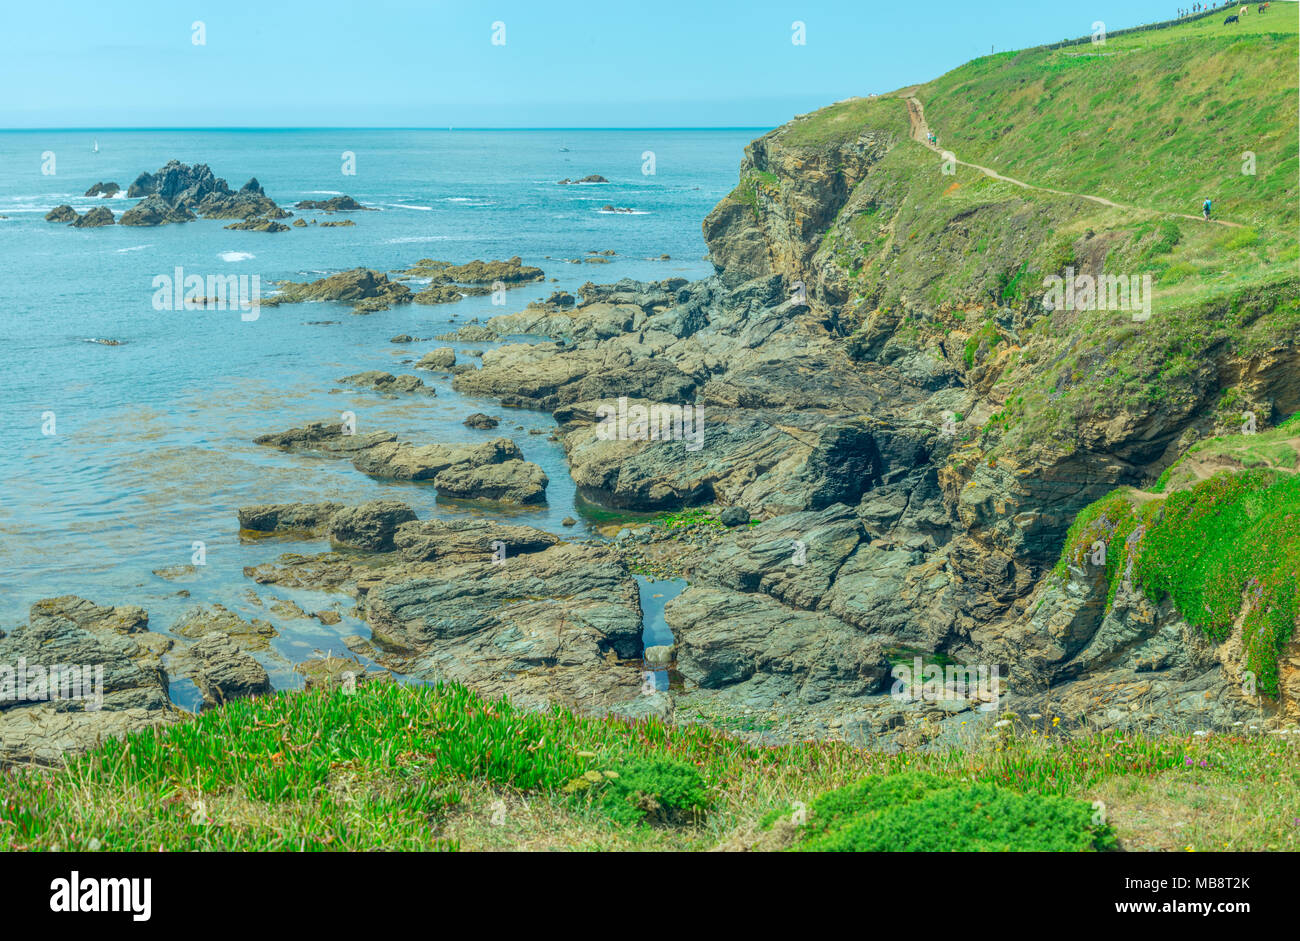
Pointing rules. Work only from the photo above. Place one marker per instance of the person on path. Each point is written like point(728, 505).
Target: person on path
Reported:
point(1206, 210)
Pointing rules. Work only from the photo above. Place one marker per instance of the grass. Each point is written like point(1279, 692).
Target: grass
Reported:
point(439, 768)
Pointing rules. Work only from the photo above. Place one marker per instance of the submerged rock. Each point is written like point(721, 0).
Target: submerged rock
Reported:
point(217, 619)
point(386, 382)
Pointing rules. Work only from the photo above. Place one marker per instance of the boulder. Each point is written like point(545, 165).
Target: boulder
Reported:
point(511, 481)
point(479, 420)
point(441, 358)
point(64, 213)
point(369, 526)
point(224, 672)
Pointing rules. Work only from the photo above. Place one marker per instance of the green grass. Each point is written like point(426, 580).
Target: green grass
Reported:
point(1229, 538)
point(1158, 119)
point(844, 120)
point(401, 767)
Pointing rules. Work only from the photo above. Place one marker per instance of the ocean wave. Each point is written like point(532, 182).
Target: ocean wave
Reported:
point(235, 256)
point(408, 206)
point(623, 212)
point(403, 240)
point(323, 193)
point(133, 248)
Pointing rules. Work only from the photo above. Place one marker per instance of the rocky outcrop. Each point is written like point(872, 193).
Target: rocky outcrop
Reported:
point(333, 204)
point(511, 272)
point(103, 189)
point(64, 213)
point(365, 290)
point(154, 210)
point(258, 224)
point(370, 526)
point(202, 621)
point(380, 454)
point(224, 672)
point(543, 622)
point(100, 215)
point(177, 192)
point(75, 674)
point(590, 178)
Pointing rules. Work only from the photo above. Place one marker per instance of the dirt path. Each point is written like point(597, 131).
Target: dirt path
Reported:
point(920, 134)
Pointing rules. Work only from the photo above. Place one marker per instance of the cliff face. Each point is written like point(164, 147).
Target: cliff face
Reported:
point(787, 198)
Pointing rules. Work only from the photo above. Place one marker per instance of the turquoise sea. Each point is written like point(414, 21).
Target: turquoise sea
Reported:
point(152, 450)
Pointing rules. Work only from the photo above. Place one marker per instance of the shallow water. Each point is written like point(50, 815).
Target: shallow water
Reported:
point(153, 446)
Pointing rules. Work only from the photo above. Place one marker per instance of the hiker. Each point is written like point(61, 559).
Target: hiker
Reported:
point(1205, 209)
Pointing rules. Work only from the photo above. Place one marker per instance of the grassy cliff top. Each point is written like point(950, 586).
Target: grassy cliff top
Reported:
point(440, 768)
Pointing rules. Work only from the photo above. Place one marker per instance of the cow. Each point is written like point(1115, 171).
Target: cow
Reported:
point(1231, 19)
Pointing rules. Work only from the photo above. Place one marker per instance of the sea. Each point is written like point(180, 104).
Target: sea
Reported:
point(118, 462)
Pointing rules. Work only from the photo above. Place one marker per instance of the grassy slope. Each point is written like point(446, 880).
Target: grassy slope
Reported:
point(398, 767)
point(1158, 119)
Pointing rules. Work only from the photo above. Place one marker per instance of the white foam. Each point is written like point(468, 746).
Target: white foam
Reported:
point(236, 256)
point(409, 206)
point(133, 248)
point(323, 193)
point(418, 238)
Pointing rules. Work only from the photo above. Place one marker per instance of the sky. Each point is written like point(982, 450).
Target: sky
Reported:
point(429, 63)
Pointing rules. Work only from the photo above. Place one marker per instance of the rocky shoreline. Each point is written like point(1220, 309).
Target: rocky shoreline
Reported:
point(831, 519)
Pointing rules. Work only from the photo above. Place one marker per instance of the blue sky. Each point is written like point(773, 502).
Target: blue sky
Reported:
point(386, 63)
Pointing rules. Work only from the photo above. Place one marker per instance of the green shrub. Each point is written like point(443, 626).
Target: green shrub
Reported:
point(663, 791)
point(915, 812)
